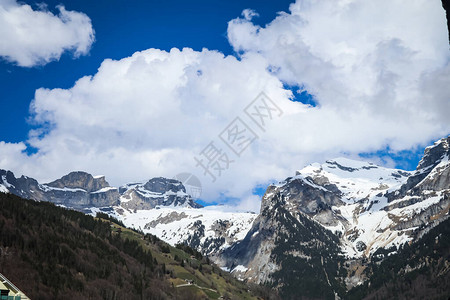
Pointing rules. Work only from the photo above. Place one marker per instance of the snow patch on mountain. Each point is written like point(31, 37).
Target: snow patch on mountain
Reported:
point(210, 228)
point(47, 188)
point(349, 198)
point(6, 184)
point(105, 189)
point(355, 179)
point(3, 189)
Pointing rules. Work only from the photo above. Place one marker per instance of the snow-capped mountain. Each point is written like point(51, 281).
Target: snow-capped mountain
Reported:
point(208, 229)
point(345, 210)
point(82, 191)
point(162, 207)
point(354, 202)
point(76, 190)
point(319, 228)
point(159, 206)
point(157, 191)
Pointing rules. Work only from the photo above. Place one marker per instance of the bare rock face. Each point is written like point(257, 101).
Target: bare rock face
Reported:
point(432, 173)
point(161, 185)
point(304, 194)
point(24, 186)
point(173, 216)
point(80, 180)
point(80, 190)
point(76, 190)
point(286, 248)
point(157, 191)
point(108, 196)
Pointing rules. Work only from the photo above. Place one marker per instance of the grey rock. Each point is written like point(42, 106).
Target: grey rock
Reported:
point(162, 185)
point(172, 217)
point(361, 246)
point(279, 235)
point(80, 180)
point(24, 186)
point(432, 157)
point(76, 190)
point(157, 191)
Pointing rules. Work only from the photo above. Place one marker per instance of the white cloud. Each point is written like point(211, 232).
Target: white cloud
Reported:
point(36, 37)
point(378, 69)
point(149, 115)
point(247, 203)
point(249, 14)
point(10, 152)
point(378, 74)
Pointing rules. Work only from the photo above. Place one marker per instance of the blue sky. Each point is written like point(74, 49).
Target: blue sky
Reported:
point(121, 29)
point(349, 79)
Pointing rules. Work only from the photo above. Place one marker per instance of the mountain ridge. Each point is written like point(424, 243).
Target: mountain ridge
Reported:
point(80, 190)
point(347, 211)
point(353, 202)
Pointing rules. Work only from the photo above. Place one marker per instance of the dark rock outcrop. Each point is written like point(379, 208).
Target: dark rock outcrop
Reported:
point(157, 191)
point(446, 6)
point(288, 251)
point(76, 190)
point(431, 160)
point(80, 180)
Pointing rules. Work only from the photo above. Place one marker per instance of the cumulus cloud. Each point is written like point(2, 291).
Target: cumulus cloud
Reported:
point(149, 115)
point(249, 14)
point(368, 57)
point(377, 72)
point(376, 69)
point(36, 37)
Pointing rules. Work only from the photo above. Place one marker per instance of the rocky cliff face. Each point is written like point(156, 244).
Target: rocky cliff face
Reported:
point(286, 249)
point(77, 190)
point(432, 173)
point(157, 191)
point(81, 190)
point(80, 180)
point(24, 187)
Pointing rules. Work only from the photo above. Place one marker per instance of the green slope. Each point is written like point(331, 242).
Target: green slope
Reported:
point(53, 253)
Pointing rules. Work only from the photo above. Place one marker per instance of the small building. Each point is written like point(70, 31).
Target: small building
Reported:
point(8, 291)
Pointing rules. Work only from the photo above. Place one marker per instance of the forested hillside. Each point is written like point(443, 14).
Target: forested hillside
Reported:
point(53, 253)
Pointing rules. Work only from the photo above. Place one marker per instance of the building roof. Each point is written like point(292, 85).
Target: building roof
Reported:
point(5, 284)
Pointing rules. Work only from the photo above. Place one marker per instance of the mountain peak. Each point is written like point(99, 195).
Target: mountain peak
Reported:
point(162, 185)
point(432, 172)
point(158, 191)
point(434, 154)
point(345, 169)
point(80, 180)
point(350, 165)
